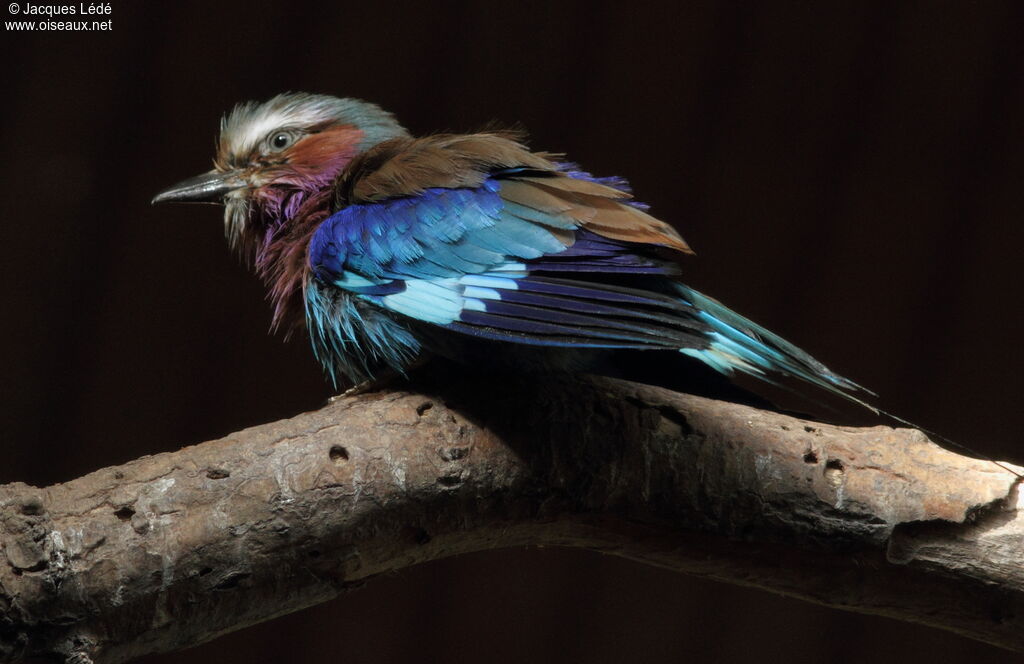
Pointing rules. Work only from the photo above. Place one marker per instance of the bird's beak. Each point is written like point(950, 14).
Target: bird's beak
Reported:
point(209, 187)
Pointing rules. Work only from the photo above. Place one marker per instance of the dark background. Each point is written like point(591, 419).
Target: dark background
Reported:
point(850, 175)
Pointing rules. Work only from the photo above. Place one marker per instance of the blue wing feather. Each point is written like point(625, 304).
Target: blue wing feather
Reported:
point(472, 262)
point(428, 257)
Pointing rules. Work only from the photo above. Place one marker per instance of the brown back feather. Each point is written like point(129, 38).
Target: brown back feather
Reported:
point(407, 166)
point(594, 206)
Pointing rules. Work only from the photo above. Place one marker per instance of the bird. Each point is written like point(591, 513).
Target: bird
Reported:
point(389, 249)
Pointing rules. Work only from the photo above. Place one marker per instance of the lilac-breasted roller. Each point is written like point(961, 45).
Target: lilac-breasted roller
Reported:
point(388, 248)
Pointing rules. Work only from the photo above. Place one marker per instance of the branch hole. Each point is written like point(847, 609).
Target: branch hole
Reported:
point(424, 407)
point(32, 506)
point(835, 464)
point(217, 473)
point(125, 513)
point(449, 480)
point(205, 571)
point(834, 472)
point(809, 429)
point(810, 457)
point(338, 454)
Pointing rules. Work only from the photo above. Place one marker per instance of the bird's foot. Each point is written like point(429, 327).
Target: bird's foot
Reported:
point(376, 384)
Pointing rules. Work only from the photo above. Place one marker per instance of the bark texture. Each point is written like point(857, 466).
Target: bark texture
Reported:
point(171, 550)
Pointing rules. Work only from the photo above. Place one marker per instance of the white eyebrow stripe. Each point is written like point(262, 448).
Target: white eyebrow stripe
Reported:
point(254, 132)
point(245, 133)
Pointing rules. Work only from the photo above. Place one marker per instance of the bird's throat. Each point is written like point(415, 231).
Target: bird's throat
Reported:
point(282, 260)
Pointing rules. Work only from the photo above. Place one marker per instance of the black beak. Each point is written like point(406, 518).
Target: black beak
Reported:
point(209, 187)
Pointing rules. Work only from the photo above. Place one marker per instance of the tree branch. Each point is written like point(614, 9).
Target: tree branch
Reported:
point(171, 550)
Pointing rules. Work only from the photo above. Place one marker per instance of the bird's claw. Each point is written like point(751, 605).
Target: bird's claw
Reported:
point(367, 386)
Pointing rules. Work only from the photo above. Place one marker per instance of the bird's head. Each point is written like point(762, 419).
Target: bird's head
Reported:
point(273, 156)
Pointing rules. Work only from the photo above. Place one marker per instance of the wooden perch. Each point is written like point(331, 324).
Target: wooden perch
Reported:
point(171, 550)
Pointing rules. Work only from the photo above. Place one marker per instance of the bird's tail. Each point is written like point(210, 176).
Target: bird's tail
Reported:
point(739, 344)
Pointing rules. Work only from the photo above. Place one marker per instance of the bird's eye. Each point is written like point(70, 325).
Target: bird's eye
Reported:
point(281, 140)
